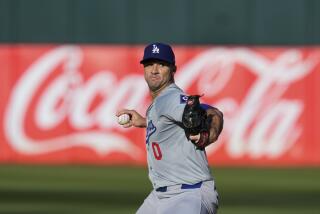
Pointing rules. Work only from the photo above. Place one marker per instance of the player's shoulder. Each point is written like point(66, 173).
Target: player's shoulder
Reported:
point(173, 95)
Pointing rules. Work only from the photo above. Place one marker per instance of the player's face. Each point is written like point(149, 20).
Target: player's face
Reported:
point(157, 75)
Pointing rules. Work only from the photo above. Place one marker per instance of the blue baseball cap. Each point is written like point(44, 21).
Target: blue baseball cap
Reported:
point(158, 51)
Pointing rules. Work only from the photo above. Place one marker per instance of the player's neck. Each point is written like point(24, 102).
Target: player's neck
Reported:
point(156, 93)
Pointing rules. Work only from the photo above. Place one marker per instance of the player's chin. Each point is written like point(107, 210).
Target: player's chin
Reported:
point(153, 85)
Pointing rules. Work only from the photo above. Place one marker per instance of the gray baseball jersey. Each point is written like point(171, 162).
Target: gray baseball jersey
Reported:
point(172, 159)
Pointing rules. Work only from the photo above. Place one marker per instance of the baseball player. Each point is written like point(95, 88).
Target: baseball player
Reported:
point(178, 128)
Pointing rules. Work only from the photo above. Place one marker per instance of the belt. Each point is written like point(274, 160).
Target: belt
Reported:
point(183, 186)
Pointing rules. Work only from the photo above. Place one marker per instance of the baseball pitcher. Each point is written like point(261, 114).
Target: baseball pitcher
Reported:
point(178, 128)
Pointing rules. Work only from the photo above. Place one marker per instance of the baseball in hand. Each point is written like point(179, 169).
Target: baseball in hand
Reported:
point(123, 119)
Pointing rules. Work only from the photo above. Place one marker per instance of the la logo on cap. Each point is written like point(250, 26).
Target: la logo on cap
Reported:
point(155, 49)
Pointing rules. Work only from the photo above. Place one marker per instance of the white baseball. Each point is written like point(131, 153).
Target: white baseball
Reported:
point(123, 119)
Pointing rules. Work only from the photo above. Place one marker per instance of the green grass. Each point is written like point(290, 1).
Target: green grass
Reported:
point(115, 190)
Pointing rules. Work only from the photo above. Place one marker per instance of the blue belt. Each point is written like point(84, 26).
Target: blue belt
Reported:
point(183, 186)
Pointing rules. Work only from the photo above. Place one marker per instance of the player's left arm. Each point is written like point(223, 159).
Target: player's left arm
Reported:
point(214, 123)
point(215, 117)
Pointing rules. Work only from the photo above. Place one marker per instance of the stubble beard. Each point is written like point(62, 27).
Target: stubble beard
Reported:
point(155, 87)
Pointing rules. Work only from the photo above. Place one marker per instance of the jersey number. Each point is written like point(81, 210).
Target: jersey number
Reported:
point(156, 151)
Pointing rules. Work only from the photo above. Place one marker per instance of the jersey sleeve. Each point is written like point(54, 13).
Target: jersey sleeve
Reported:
point(206, 106)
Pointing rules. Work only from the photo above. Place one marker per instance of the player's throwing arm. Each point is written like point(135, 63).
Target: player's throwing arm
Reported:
point(128, 118)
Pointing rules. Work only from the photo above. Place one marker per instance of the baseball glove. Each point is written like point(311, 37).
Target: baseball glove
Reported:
point(195, 121)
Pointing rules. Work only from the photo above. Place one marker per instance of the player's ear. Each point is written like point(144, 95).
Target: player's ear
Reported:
point(173, 68)
point(172, 75)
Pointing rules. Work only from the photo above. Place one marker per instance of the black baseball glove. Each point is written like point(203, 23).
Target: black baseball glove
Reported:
point(195, 121)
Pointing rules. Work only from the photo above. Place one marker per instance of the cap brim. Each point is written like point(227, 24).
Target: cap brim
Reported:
point(155, 59)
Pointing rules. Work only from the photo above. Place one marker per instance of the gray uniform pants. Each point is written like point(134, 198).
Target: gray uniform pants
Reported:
point(203, 200)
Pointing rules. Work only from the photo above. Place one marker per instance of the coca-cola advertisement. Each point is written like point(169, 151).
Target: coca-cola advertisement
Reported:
point(58, 104)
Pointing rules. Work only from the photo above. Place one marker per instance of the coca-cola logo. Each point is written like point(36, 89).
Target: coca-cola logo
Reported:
point(77, 96)
point(263, 123)
point(260, 124)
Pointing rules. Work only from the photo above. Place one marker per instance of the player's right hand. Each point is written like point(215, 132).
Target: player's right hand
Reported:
point(136, 119)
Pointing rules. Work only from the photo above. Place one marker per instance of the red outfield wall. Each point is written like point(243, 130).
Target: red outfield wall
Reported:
point(58, 103)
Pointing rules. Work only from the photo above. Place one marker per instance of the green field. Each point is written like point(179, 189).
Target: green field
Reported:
point(98, 189)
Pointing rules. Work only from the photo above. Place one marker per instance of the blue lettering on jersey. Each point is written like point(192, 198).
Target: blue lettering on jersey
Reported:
point(183, 98)
point(150, 130)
